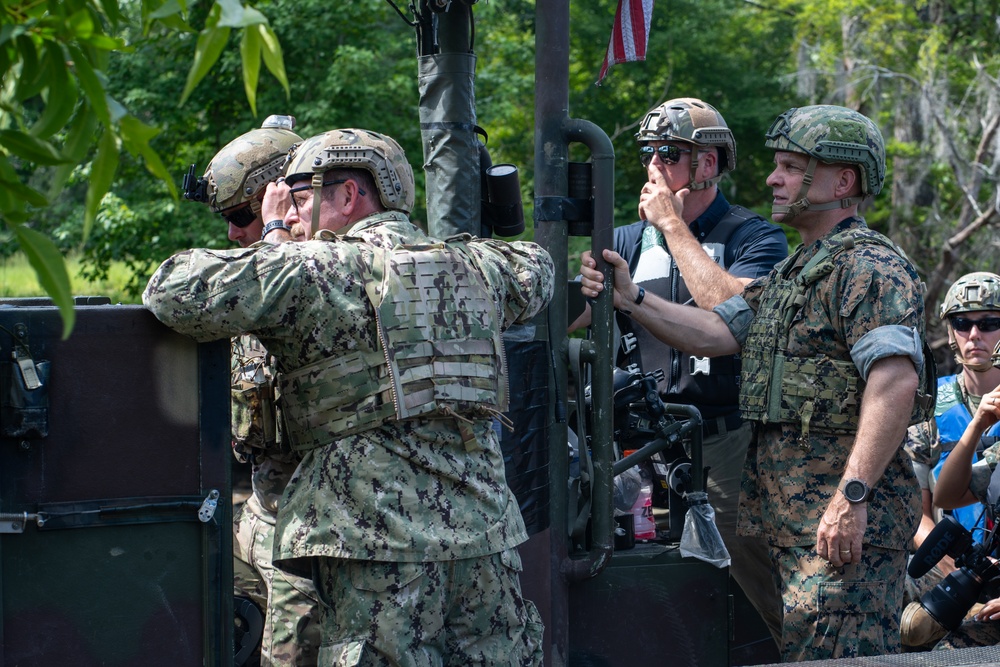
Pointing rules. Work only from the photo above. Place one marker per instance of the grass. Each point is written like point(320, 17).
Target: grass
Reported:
point(18, 279)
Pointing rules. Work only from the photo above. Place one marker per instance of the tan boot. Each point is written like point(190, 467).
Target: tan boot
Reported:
point(917, 628)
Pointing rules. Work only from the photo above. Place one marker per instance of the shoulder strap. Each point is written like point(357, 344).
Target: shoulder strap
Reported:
point(733, 218)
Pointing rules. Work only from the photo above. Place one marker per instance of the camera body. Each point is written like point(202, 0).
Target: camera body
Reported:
point(950, 601)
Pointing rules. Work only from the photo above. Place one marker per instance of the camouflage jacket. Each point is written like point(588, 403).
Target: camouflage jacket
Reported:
point(256, 424)
point(413, 490)
point(788, 483)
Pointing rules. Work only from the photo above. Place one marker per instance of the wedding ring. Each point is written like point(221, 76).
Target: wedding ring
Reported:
point(845, 551)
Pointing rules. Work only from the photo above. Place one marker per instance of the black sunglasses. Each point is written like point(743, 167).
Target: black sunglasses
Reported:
point(239, 216)
point(964, 324)
point(668, 154)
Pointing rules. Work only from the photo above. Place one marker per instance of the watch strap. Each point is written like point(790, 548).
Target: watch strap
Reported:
point(272, 225)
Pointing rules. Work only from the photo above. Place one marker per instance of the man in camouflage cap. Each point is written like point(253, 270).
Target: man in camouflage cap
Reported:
point(233, 186)
point(833, 357)
point(691, 245)
point(388, 344)
point(971, 313)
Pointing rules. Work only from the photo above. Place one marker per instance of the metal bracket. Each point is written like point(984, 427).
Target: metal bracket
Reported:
point(14, 522)
point(208, 506)
point(553, 209)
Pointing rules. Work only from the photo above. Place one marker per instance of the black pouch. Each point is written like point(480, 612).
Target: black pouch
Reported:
point(24, 399)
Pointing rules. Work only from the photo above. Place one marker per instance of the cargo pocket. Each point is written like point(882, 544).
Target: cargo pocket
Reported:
point(384, 577)
point(851, 619)
point(344, 654)
point(511, 559)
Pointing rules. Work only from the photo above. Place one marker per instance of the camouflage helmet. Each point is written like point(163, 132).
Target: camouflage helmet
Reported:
point(691, 121)
point(244, 166)
point(833, 135)
point(352, 148)
point(971, 293)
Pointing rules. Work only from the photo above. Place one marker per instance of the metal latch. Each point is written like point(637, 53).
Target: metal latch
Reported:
point(14, 522)
point(207, 509)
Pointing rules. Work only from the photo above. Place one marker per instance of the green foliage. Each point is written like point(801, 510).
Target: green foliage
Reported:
point(94, 137)
point(56, 99)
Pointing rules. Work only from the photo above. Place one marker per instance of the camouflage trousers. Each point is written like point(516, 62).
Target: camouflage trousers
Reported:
point(290, 604)
point(456, 613)
point(971, 633)
point(725, 455)
point(840, 612)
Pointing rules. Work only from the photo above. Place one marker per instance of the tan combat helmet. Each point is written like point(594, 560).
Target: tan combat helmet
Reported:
point(352, 148)
point(973, 292)
point(833, 135)
point(242, 169)
point(691, 121)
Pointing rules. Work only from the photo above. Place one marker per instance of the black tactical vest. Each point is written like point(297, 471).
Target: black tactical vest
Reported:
point(711, 385)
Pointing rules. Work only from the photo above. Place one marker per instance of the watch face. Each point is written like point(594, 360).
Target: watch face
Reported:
point(855, 491)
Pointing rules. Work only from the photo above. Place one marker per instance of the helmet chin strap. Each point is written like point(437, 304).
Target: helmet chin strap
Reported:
point(976, 368)
point(317, 183)
point(802, 202)
point(695, 185)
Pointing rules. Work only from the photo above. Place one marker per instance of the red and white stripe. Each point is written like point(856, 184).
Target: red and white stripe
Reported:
point(629, 35)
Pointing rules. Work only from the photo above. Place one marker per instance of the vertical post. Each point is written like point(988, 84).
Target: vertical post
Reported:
point(550, 547)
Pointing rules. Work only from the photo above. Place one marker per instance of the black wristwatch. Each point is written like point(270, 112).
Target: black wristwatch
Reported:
point(275, 224)
point(856, 491)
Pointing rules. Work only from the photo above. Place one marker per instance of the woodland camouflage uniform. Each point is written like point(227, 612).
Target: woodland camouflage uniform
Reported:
point(408, 524)
point(866, 307)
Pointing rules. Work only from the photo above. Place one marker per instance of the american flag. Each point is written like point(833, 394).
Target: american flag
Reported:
point(629, 35)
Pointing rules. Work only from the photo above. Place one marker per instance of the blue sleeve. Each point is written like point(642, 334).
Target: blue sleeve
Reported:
point(756, 247)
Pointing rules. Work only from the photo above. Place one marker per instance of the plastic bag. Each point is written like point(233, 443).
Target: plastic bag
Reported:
point(627, 487)
point(700, 538)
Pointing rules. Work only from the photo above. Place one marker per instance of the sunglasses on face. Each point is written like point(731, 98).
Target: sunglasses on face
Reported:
point(668, 154)
point(985, 325)
point(239, 216)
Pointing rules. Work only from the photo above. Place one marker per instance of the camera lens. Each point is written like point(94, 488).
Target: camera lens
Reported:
point(950, 601)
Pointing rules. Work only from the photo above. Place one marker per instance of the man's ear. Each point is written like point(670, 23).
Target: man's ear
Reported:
point(351, 196)
point(848, 182)
point(710, 157)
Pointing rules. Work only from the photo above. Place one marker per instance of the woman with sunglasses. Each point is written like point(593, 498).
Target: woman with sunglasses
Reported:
point(968, 476)
point(971, 313)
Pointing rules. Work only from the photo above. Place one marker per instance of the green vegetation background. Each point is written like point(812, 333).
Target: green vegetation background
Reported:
point(927, 71)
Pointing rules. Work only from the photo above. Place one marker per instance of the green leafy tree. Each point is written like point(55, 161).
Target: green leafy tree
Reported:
point(361, 73)
point(927, 71)
point(57, 113)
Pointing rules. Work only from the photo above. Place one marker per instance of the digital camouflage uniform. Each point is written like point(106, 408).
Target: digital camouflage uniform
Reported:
point(290, 603)
point(387, 514)
point(868, 307)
